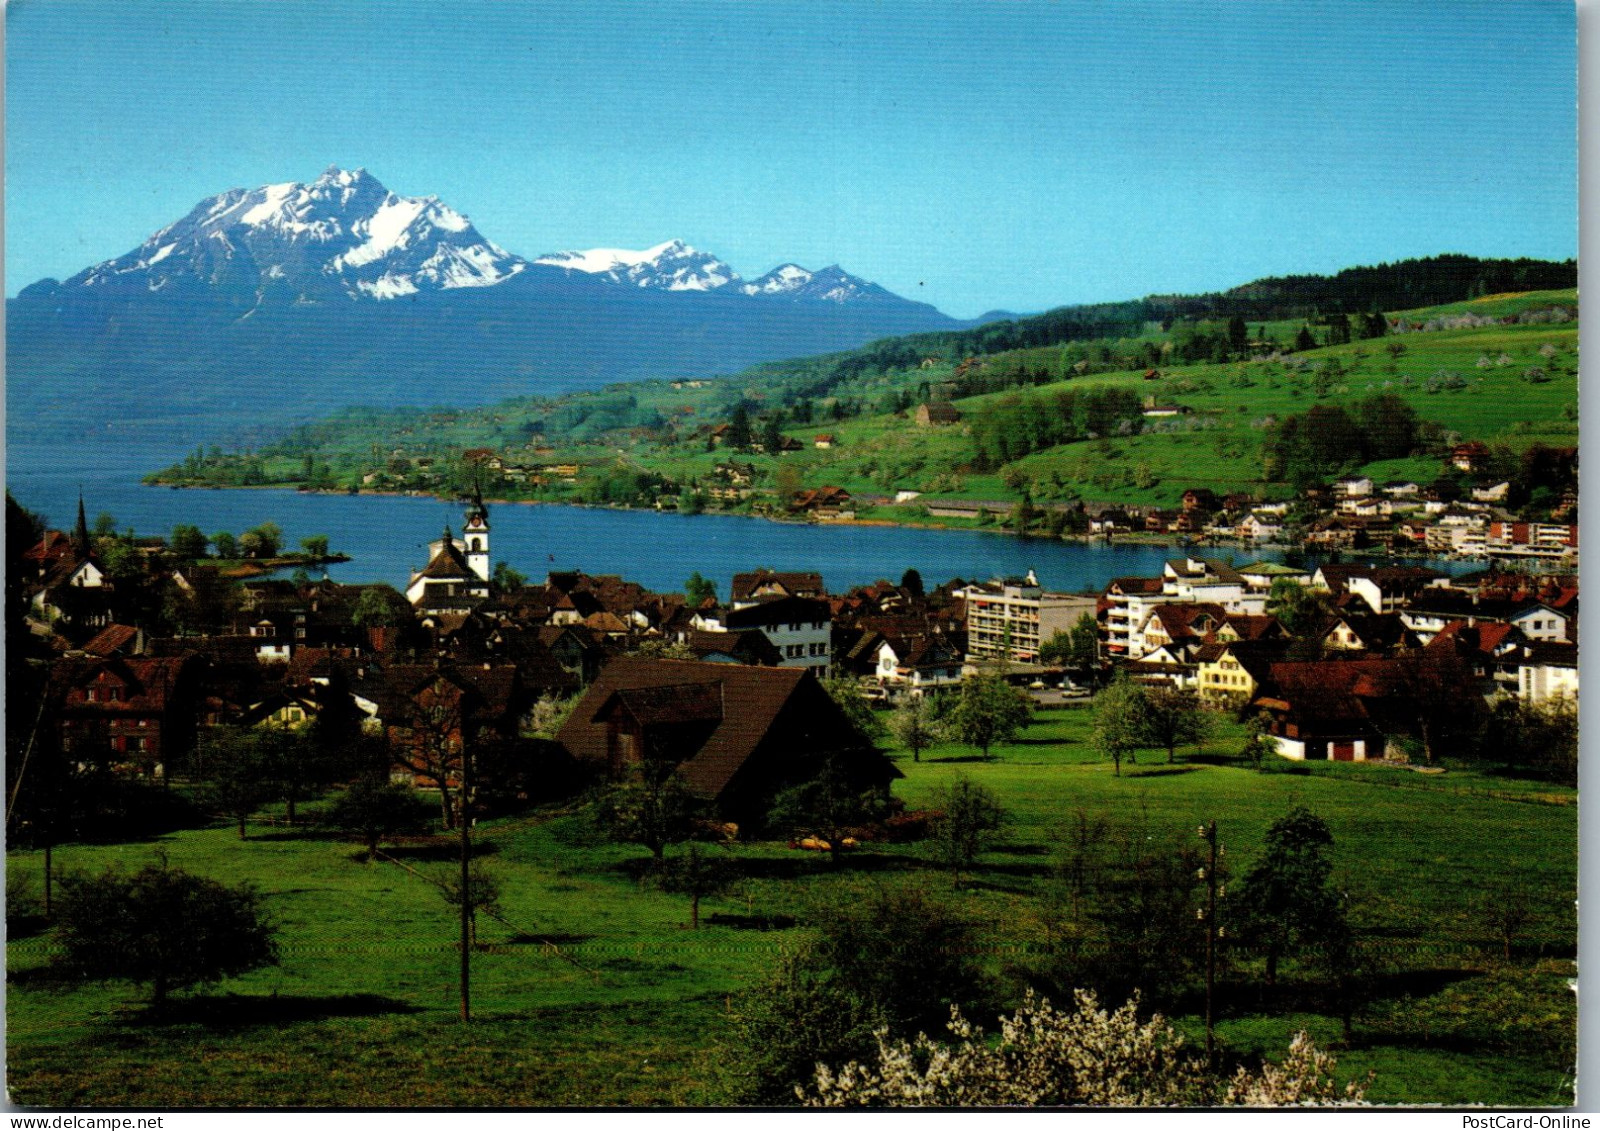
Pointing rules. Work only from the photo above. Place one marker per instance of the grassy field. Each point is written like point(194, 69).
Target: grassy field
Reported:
point(598, 993)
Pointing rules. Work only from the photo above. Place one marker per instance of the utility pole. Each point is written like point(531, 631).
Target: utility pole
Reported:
point(1208, 916)
point(465, 818)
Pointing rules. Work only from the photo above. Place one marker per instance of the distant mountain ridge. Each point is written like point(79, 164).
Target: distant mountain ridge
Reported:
point(338, 291)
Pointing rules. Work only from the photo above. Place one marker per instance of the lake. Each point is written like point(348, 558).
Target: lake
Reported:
point(387, 537)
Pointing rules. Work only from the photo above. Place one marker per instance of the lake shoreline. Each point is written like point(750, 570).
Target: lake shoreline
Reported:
point(1135, 540)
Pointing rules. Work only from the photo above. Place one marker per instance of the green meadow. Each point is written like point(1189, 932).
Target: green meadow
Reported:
point(592, 989)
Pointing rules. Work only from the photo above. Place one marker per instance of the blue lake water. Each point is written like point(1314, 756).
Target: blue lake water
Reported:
point(387, 537)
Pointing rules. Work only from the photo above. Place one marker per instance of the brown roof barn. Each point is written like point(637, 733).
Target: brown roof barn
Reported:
point(738, 734)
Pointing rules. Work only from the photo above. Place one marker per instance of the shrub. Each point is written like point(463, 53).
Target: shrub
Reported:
point(1089, 1057)
point(163, 926)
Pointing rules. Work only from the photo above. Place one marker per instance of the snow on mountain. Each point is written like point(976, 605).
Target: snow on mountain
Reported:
point(831, 284)
point(342, 233)
point(670, 266)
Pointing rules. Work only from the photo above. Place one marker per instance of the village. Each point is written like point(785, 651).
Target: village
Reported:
point(1346, 661)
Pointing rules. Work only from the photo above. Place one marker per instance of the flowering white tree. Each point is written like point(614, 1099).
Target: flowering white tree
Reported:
point(1089, 1057)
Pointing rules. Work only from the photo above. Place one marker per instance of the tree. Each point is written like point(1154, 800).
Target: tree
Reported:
point(262, 541)
point(695, 875)
point(699, 590)
point(914, 727)
point(375, 809)
point(187, 543)
point(482, 894)
point(652, 806)
point(1258, 741)
point(1119, 720)
point(506, 579)
point(1086, 1058)
point(237, 770)
point(1535, 739)
point(1506, 911)
point(1299, 608)
point(969, 814)
point(1286, 901)
point(911, 582)
point(295, 767)
point(738, 434)
point(772, 434)
point(1173, 717)
point(161, 926)
point(987, 711)
point(783, 1024)
point(549, 714)
point(1304, 339)
point(907, 951)
point(226, 544)
point(315, 546)
point(846, 692)
point(379, 606)
point(1078, 648)
point(830, 805)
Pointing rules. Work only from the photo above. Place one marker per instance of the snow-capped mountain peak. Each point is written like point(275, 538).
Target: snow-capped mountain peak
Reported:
point(341, 233)
point(670, 266)
point(831, 284)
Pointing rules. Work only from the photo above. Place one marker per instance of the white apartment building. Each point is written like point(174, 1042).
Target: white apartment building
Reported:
point(1012, 618)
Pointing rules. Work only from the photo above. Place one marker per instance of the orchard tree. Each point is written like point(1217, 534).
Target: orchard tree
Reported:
point(1173, 717)
point(1119, 720)
point(987, 711)
point(161, 926)
point(846, 692)
point(969, 816)
point(374, 809)
point(829, 805)
point(237, 768)
point(482, 894)
point(651, 806)
point(1088, 1057)
point(695, 874)
point(914, 727)
point(1286, 900)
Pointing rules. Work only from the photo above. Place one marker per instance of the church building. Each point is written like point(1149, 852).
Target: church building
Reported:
point(456, 577)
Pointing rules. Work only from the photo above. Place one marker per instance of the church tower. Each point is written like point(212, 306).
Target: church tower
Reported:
point(475, 533)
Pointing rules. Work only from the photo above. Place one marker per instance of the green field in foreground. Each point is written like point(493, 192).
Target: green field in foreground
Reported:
point(599, 993)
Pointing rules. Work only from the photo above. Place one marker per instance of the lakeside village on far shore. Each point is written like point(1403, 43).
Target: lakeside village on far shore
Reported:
point(144, 650)
point(1475, 510)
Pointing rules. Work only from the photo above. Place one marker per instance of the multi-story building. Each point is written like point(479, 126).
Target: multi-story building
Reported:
point(800, 628)
point(1012, 618)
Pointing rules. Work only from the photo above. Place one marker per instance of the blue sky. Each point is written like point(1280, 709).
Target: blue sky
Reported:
point(975, 156)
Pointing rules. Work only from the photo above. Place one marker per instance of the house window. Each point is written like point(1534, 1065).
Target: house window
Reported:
point(795, 651)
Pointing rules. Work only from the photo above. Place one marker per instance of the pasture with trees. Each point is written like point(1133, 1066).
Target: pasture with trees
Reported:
point(1095, 887)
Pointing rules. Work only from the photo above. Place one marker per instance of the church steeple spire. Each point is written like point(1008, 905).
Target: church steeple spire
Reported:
point(80, 536)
